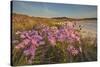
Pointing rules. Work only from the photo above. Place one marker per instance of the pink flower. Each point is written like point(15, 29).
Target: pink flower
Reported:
point(72, 50)
point(52, 40)
point(34, 42)
point(26, 41)
point(27, 35)
point(20, 45)
point(22, 36)
point(77, 38)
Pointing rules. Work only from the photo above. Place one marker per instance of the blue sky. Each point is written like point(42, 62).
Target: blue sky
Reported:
point(54, 10)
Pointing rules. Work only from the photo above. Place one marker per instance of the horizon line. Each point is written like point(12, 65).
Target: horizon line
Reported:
point(50, 17)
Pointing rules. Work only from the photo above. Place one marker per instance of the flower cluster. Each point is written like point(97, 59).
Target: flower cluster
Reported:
point(72, 50)
point(33, 38)
point(30, 41)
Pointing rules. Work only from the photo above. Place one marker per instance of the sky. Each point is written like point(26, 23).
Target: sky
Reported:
point(42, 9)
